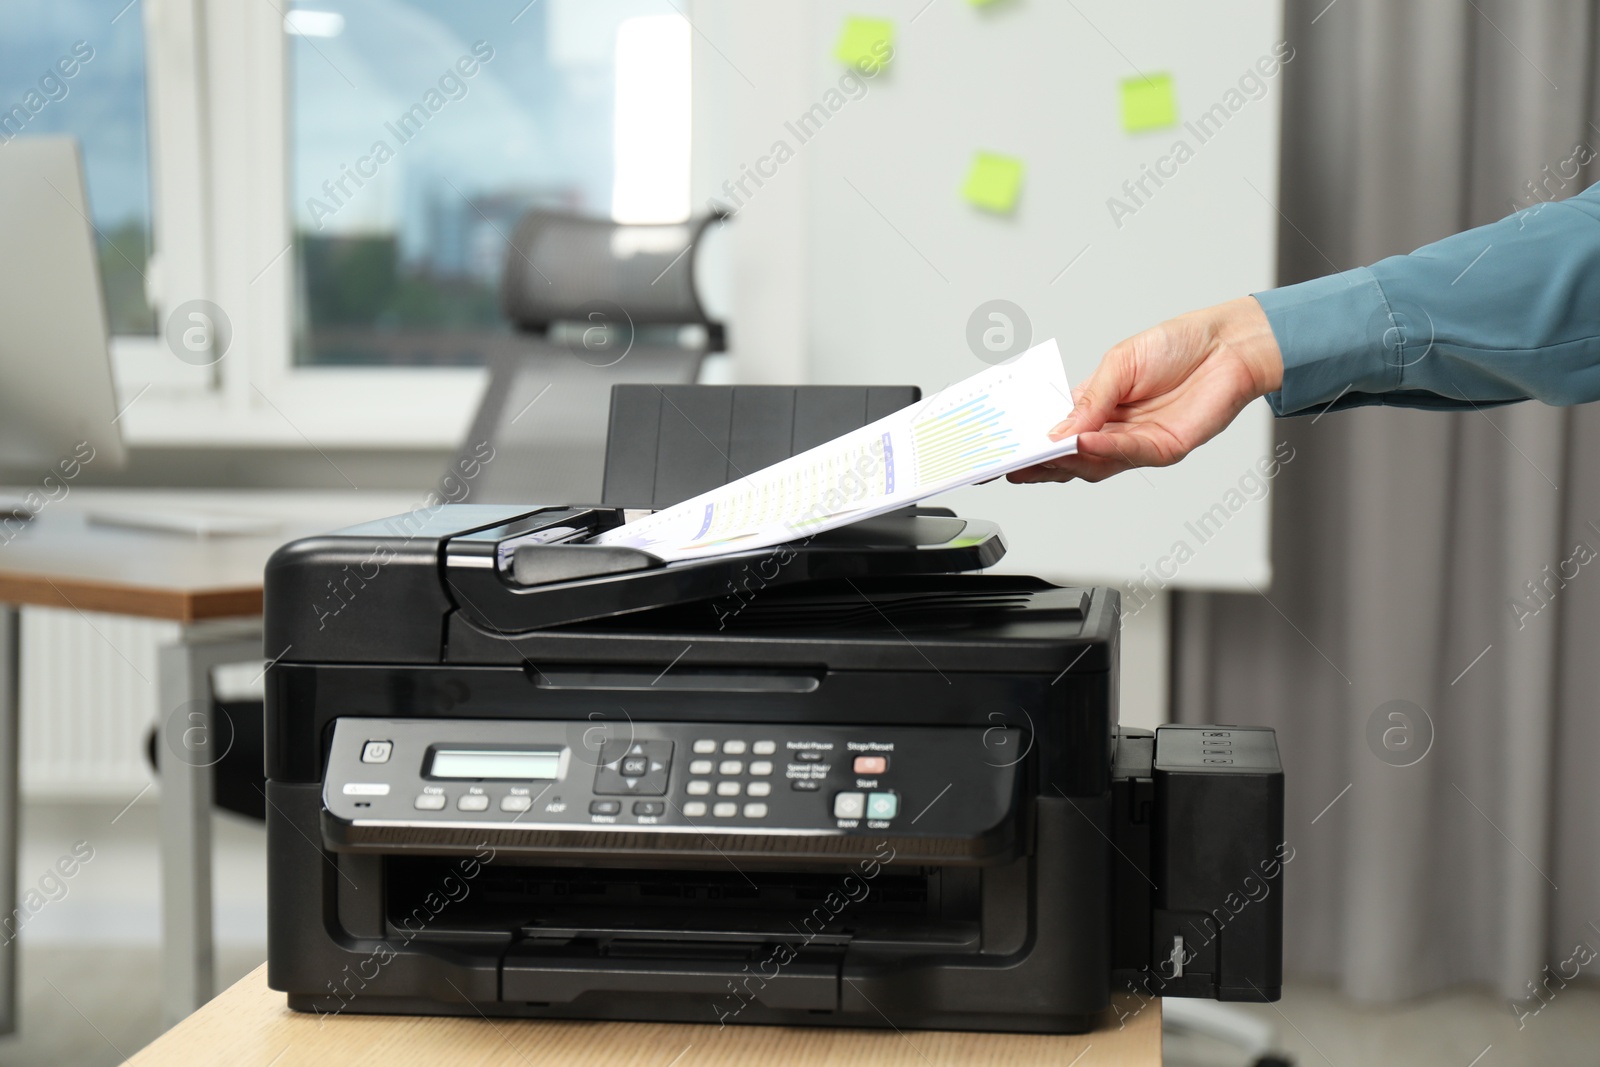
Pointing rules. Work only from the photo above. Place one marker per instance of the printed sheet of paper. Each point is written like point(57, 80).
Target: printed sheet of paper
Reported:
point(980, 428)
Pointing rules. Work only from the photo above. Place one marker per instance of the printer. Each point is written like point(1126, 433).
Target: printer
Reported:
point(852, 780)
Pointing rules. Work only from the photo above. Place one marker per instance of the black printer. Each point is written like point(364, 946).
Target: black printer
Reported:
point(847, 781)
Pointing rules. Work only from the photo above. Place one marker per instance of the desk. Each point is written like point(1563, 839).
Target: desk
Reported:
point(212, 587)
point(249, 1026)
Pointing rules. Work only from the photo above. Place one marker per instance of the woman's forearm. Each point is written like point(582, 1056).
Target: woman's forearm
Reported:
point(1508, 311)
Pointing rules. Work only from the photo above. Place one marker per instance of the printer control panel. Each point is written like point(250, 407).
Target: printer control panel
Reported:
point(694, 778)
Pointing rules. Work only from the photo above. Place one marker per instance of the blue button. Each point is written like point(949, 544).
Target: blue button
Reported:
point(882, 806)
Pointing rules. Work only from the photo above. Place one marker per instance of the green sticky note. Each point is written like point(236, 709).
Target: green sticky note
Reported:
point(1148, 103)
point(994, 182)
point(865, 44)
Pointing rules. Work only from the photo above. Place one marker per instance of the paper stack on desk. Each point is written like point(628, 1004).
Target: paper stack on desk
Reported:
point(984, 426)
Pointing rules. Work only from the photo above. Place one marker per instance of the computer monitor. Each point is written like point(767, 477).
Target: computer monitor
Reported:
point(57, 394)
point(56, 389)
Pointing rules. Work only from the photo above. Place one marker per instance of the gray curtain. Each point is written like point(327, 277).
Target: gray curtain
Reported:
point(1402, 540)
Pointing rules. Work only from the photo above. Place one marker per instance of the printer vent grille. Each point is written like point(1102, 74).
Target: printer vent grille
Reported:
point(909, 606)
point(924, 604)
point(854, 611)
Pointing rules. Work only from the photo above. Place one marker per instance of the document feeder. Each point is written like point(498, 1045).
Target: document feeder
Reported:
point(846, 781)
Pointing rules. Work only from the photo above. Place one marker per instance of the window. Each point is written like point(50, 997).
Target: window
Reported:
point(340, 178)
point(422, 130)
point(77, 67)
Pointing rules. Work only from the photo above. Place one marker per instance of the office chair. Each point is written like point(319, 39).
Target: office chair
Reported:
point(1254, 1038)
point(593, 303)
point(237, 780)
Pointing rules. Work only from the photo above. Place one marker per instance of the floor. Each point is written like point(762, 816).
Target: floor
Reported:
point(90, 968)
point(1316, 1027)
point(93, 1007)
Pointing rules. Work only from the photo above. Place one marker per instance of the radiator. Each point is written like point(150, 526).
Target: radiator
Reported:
point(89, 700)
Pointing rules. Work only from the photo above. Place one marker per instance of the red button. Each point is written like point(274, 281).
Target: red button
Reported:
point(871, 764)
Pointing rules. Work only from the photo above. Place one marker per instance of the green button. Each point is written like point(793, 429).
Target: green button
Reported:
point(882, 806)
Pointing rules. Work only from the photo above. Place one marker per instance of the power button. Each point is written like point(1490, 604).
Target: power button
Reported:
point(376, 752)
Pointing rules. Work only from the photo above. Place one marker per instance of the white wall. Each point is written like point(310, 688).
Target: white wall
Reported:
point(748, 73)
point(859, 262)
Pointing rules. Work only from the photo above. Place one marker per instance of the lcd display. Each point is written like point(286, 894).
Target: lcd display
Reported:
point(495, 763)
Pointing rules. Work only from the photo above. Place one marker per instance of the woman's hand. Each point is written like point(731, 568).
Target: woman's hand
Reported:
point(1161, 394)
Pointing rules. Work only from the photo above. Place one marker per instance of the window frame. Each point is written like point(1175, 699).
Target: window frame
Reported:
point(218, 87)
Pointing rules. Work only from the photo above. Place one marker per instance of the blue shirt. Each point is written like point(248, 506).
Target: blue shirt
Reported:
point(1505, 312)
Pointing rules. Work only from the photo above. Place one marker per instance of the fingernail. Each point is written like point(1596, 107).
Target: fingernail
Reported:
point(1062, 429)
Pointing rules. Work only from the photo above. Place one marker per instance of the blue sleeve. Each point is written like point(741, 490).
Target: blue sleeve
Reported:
point(1505, 312)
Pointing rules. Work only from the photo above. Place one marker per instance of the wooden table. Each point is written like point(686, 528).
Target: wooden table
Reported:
point(249, 1026)
point(212, 587)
